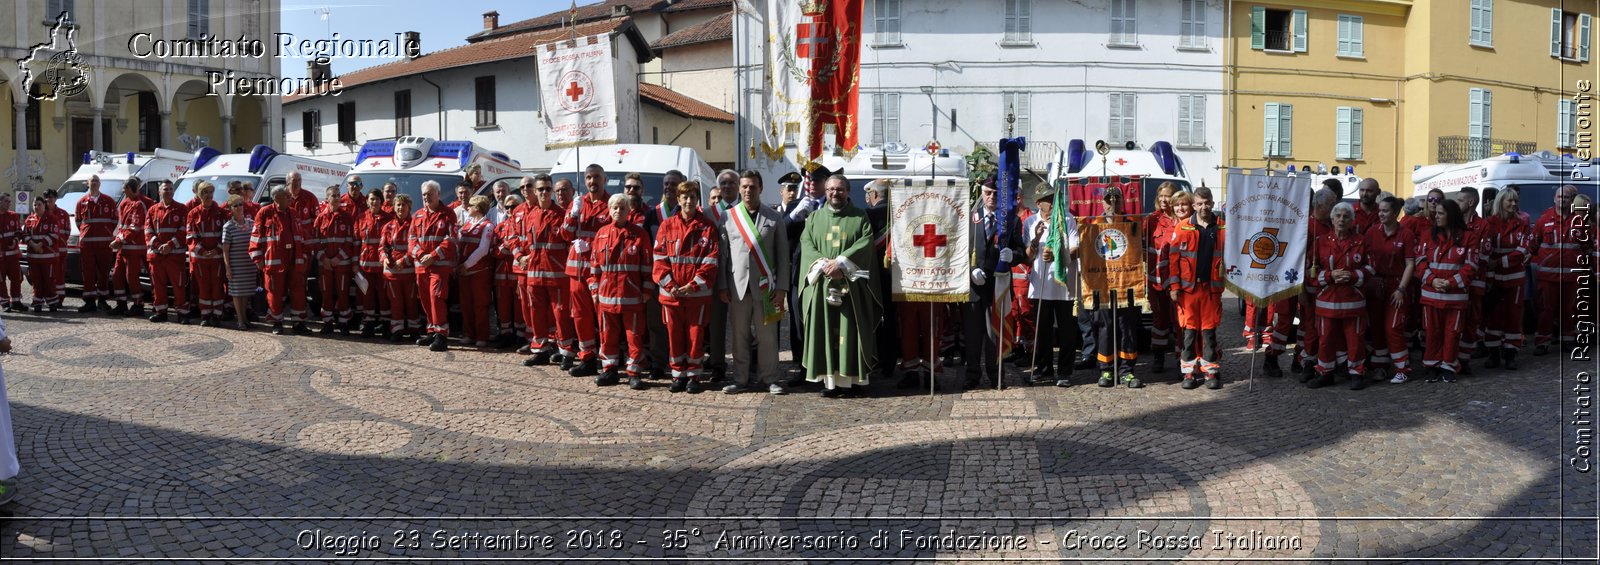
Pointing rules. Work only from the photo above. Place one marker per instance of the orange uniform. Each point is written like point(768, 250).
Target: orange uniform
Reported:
point(1191, 264)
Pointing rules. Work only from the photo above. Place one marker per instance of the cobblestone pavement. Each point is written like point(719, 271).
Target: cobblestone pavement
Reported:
point(144, 440)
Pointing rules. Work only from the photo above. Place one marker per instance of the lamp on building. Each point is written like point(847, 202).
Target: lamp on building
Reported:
point(928, 90)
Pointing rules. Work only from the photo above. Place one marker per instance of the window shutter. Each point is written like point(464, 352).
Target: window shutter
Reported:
point(1583, 37)
point(307, 130)
point(1185, 25)
point(878, 119)
point(1116, 21)
point(1197, 120)
point(893, 106)
point(1342, 133)
point(1286, 129)
point(1343, 43)
point(1488, 114)
point(1183, 117)
point(1356, 44)
point(1564, 124)
point(1488, 21)
point(1300, 31)
point(1555, 32)
point(1258, 27)
point(1024, 19)
point(892, 21)
point(1130, 108)
point(1357, 116)
point(1269, 131)
point(1475, 113)
point(1024, 113)
point(1199, 30)
point(1130, 26)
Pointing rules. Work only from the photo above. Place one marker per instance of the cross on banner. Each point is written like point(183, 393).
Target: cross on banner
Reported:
point(929, 240)
point(812, 39)
point(574, 91)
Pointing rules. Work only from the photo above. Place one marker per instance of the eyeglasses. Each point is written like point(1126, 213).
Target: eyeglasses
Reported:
point(633, 186)
point(524, 186)
point(1433, 199)
point(546, 189)
point(355, 183)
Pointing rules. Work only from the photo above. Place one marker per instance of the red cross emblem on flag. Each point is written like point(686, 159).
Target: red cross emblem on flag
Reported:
point(811, 38)
point(929, 240)
point(574, 91)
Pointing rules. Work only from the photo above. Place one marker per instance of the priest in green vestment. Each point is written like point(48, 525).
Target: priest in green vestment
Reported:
point(839, 301)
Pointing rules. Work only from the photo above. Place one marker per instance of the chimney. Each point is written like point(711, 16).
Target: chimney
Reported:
point(319, 71)
point(413, 45)
point(491, 20)
point(620, 10)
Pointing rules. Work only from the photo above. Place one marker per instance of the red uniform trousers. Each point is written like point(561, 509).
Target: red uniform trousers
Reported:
point(1558, 304)
point(1280, 322)
point(1021, 316)
point(11, 280)
point(1341, 340)
point(41, 276)
point(613, 327)
point(169, 270)
point(375, 301)
point(211, 285)
point(579, 307)
point(686, 323)
point(286, 288)
point(475, 302)
point(1503, 317)
point(1388, 338)
point(1472, 333)
point(335, 283)
point(544, 319)
point(507, 303)
point(58, 273)
point(1309, 348)
point(432, 289)
point(1163, 318)
point(916, 321)
point(403, 305)
point(95, 264)
point(1256, 324)
point(125, 276)
point(1442, 328)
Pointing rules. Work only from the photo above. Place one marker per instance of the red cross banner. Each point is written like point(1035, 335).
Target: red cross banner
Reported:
point(579, 93)
point(929, 257)
point(813, 73)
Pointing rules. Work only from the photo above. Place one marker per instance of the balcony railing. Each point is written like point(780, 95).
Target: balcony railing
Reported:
point(1461, 148)
point(1036, 157)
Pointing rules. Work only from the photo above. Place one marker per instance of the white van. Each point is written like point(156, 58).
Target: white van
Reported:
point(410, 161)
point(262, 167)
point(894, 162)
point(1159, 164)
point(113, 170)
point(1537, 177)
point(1347, 177)
point(651, 162)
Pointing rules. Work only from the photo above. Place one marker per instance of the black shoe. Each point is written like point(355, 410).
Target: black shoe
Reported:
point(1271, 369)
point(1159, 364)
point(1494, 359)
point(636, 382)
point(1435, 374)
point(183, 320)
point(368, 330)
point(440, 344)
point(1447, 376)
point(136, 310)
point(1466, 368)
point(1213, 382)
point(694, 387)
point(1131, 381)
point(301, 329)
point(679, 384)
point(207, 322)
point(86, 308)
point(277, 329)
point(585, 368)
point(37, 308)
point(55, 307)
point(104, 305)
point(1106, 380)
point(1358, 382)
point(1510, 359)
point(568, 362)
point(832, 392)
point(525, 350)
point(607, 378)
point(1294, 367)
point(540, 358)
point(1064, 381)
point(160, 318)
point(327, 328)
point(1191, 383)
point(1480, 352)
point(394, 337)
point(1319, 382)
point(425, 340)
point(1307, 374)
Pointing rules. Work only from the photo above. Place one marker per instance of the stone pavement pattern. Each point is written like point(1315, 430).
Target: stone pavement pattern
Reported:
point(333, 439)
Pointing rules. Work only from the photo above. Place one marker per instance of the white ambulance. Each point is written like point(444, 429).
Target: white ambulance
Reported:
point(113, 170)
point(1537, 177)
point(1159, 164)
point(410, 161)
point(893, 162)
point(651, 162)
point(1347, 177)
point(263, 167)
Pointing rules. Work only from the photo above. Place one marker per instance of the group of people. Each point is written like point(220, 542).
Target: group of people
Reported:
point(607, 286)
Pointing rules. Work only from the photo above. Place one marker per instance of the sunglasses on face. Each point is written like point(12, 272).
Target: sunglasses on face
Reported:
point(545, 189)
point(1433, 199)
point(634, 187)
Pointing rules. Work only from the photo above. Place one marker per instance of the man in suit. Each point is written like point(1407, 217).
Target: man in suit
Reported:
point(811, 198)
point(987, 251)
point(754, 283)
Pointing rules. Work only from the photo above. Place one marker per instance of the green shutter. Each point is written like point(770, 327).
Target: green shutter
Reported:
point(1269, 131)
point(1300, 31)
point(1258, 27)
point(1342, 132)
point(1356, 119)
point(1555, 32)
point(1286, 129)
point(1583, 37)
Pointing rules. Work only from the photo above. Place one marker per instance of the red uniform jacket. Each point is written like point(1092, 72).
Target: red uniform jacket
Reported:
point(336, 237)
point(1181, 262)
point(203, 225)
point(1418, 225)
point(508, 243)
point(1388, 255)
point(274, 239)
point(48, 230)
point(356, 205)
point(163, 224)
point(585, 219)
point(303, 208)
point(1477, 236)
point(1316, 230)
point(1557, 244)
point(619, 268)
point(97, 221)
point(432, 232)
point(1157, 234)
point(130, 224)
point(469, 237)
point(369, 235)
point(1349, 253)
point(1364, 219)
point(546, 246)
point(686, 254)
point(1450, 261)
point(1508, 242)
point(11, 234)
point(396, 242)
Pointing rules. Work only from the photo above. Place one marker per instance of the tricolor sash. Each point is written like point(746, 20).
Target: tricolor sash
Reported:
point(752, 238)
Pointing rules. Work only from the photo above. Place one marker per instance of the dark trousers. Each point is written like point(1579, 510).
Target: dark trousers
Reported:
point(1198, 352)
point(981, 350)
point(1119, 343)
point(1058, 329)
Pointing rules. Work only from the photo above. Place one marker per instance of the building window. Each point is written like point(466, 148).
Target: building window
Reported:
point(347, 122)
point(402, 113)
point(1278, 130)
point(30, 122)
point(485, 97)
point(54, 8)
point(1121, 107)
point(311, 128)
point(251, 18)
point(1350, 36)
point(1192, 29)
point(149, 122)
point(1278, 30)
point(1348, 133)
point(655, 135)
point(1019, 104)
point(1567, 124)
point(886, 22)
point(885, 118)
point(1481, 30)
point(1479, 122)
point(708, 140)
point(1019, 24)
point(1123, 29)
point(199, 18)
point(1569, 35)
point(1192, 120)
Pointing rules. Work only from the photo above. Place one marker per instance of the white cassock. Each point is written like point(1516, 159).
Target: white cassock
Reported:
point(8, 442)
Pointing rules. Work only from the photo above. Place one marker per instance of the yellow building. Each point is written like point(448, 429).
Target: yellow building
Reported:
point(1387, 85)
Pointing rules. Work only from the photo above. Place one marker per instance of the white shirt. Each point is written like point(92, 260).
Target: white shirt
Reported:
point(1041, 285)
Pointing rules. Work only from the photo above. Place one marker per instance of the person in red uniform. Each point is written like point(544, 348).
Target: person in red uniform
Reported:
point(275, 247)
point(619, 275)
point(97, 222)
point(1509, 237)
point(508, 276)
point(369, 261)
point(1391, 247)
point(1157, 228)
point(45, 231)
point(686, 269)
point(129, 245)
point(1281, 315)
point(11, 236)
point(1367, 215)
point(1478, 236)
point(1342, 271)
point(303, 207)
point(1562, 245)
point(1421, 224)
point(1447, 265)
point(336, 255)
point(164, 229)
point(399, 271)
point(1192, 273)
point(587, 215)
point(203, 226)
point(390, 190)
point(476, 237)
point(353, 201)
point(1323, 201)
point(543, 252)
point(434, 250)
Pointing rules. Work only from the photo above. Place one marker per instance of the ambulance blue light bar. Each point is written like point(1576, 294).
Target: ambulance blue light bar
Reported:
point(260, 155)
point(203, 156)
point(459, 150)
point(383, 148)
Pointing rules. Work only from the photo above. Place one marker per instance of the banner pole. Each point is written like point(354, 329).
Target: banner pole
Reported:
point(933, 353)
point(1116, 348)
point(999, 336)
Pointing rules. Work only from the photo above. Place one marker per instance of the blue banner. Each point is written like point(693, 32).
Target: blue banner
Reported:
point(1010, 179)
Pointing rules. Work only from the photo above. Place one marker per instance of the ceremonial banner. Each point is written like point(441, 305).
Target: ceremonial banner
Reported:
point(575, 79)
point(931, 257)
point(1088, 194)
point(1268, 221)
point(1111, 258)
point(1005, 207)
point(813, 73)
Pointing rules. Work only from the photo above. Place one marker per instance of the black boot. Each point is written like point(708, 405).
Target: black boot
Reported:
point(585, 368)
point(1190, 383)
point(121, 309)
point(1494, 359)
point(1318, 382)
point(1510, 359)
point(1159, 364)
point(1358, 382)
point(439, 344)
point(1270, 367)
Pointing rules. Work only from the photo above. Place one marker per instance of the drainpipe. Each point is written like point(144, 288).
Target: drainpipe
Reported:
point(438, 98)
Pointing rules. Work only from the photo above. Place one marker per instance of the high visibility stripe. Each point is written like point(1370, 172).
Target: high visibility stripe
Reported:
point(616, 301)
point(1562, 245)
point(687, 260)
point(552, 246)
point(1555, 270)
point(546, 274)
point(1445, 296)
point(1330, 305)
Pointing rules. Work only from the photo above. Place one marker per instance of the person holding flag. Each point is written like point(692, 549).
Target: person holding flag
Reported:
point(1054, 286)
point(1116, 324)
point(996, 237)
point(754, 282)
